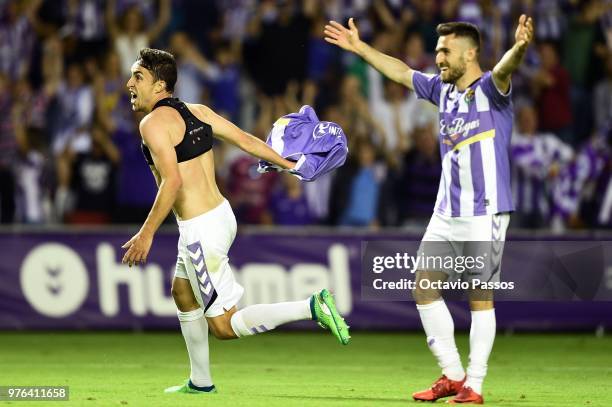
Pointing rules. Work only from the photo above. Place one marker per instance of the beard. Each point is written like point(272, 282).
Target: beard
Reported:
point(453, 73)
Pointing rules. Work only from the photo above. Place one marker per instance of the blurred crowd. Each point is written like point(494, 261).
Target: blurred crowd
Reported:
point(69, 142)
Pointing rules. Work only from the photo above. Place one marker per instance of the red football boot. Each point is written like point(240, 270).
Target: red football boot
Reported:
point(443, 387)
point(467, 396)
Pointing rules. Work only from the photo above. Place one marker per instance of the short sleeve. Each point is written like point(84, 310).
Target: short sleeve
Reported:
point(427, 86)
point(492, 93)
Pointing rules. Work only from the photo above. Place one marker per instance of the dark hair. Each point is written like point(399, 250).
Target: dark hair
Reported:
point(461, 29)
point(161, 64)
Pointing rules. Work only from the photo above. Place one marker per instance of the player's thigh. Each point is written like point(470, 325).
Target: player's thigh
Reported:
point(181, 290)
point(206, 241)
point(435, 247)
point(482, 256)
point(221, 325)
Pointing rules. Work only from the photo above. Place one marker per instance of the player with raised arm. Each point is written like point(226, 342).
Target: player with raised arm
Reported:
point(177, 144)
point(474, 198)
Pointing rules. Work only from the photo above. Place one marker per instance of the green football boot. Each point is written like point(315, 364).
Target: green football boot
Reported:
point(190, 388)
point(324, 312)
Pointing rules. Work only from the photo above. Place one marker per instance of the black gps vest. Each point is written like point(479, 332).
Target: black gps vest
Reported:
point(198, 135)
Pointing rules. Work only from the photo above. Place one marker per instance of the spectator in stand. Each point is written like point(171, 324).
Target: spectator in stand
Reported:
point(418, 185)
point(76, 104)
point(425, 23)
point(203, 20)
point(193, 69)
point(354, 107)
point(279, 32)
point(601, 215)
point(224, 87)
point(321, 58)
point(131, 35)
point(537, 159)
point(580, 183)
point(288, 204)
point(85, 28)
point(17, 36)
point(396, 112)
point(8, 152)
point(236, 15)
point(602, 97)
point(91, 177)
point(367, 74)
point(31, 195)
point(113, 111)
point(415, 55)
point(249, 191)
point(584, 53)
point(548, 16)
point(551, 87)
point(364, 186)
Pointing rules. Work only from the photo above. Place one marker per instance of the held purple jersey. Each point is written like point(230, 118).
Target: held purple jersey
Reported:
point(475, 131)
point(317, 147)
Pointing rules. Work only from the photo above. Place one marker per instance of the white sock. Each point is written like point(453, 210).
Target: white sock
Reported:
point(260, 318)
point(440, 330)
point(195, 331)
point(482, 335)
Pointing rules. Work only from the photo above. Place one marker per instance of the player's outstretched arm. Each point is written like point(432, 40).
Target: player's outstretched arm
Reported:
point(348, 39)
point(514, 56)
point(228, 131)
point(166, 165)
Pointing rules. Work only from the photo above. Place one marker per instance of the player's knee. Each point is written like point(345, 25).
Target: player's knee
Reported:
point(183, 298)
point(176, 292)
point(481, 300)
point(424, 296)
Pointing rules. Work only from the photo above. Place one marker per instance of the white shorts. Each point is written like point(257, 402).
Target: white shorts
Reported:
point(467, 236)
point(203, 245)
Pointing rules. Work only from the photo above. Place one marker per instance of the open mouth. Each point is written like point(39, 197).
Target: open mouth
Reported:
point(132, 97)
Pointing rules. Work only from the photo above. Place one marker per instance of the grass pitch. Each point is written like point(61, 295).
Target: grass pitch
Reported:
point(301, 369)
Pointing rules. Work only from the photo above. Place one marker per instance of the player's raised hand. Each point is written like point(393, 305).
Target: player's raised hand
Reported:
point(524, 32)
point(337, 34)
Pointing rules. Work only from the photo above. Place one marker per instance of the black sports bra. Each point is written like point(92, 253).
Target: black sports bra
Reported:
point(198, 135)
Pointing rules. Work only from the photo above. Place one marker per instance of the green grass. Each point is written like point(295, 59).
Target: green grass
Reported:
point(298, 369)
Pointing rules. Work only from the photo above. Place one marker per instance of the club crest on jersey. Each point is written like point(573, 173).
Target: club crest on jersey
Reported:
point(469, 96)
point(325, 128)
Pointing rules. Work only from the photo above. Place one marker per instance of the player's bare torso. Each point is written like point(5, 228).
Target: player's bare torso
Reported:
point(199, 192)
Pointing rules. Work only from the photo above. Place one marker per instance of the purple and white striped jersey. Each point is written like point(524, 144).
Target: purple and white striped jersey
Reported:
point(533, 156)
point(475, 131)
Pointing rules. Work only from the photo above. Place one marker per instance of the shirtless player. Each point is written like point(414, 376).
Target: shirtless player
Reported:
point(177, 142)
